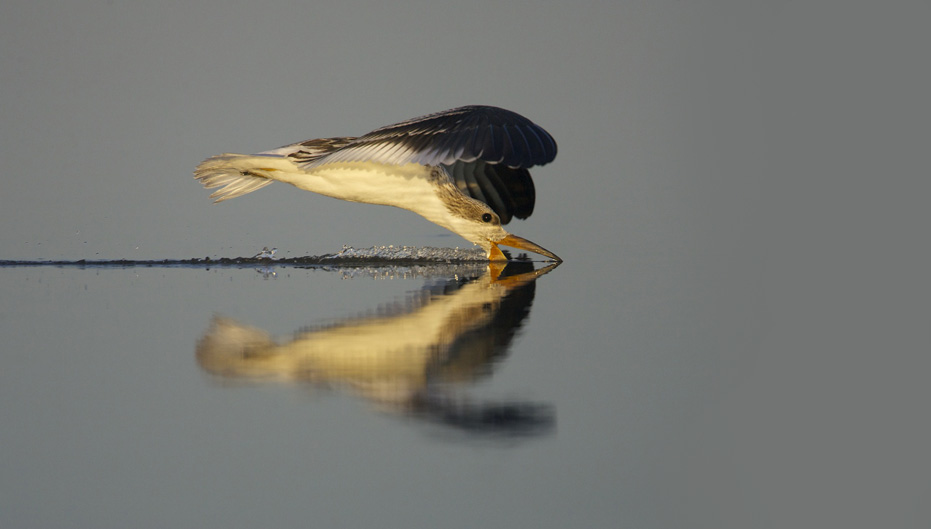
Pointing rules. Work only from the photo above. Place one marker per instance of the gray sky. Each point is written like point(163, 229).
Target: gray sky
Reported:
point(107, 108)
point(709, 107)
point(705, 110)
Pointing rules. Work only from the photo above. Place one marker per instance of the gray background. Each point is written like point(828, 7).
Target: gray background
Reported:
point(740, 197)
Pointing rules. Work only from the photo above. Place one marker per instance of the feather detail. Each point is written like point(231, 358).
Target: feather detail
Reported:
point(238, 174)
point(466, 134)
point(509, 192)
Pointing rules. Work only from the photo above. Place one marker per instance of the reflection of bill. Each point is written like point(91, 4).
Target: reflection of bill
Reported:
point(406, 360)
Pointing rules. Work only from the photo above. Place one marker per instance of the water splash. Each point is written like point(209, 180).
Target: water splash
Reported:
point(425, 253)
point(376, 256)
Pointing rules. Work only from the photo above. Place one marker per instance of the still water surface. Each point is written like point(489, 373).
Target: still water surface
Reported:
point(417, 396)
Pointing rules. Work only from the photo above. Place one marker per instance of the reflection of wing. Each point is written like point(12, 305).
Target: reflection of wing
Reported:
point(391, 358)
point(474, 349)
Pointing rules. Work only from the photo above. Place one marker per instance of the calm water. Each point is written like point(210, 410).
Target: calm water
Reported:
point(393, 396)
point(426, 396)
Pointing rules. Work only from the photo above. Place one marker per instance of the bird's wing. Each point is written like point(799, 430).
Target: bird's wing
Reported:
point(306, 152)
point(486, 150)
point(465, 134)
point(509, 192)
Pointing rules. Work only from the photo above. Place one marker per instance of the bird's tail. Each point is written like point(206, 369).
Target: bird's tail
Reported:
point(232, 349)
point(238, 174)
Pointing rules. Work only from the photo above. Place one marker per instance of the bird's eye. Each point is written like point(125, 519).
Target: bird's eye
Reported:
point(486, 217)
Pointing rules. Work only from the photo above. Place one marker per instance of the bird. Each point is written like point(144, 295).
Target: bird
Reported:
point(265, 253)
point(465, 169)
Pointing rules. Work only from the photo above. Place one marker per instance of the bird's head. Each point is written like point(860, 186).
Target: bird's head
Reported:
point(478, 223)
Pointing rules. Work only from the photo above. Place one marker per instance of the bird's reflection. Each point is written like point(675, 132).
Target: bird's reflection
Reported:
point(413, 360)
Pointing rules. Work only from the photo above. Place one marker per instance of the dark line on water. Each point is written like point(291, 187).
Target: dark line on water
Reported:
point(237, 262)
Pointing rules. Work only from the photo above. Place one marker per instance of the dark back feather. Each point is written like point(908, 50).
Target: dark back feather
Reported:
point(486, 150)
point(470, 133)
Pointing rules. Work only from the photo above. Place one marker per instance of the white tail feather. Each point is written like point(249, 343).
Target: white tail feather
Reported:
point(238, 174)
